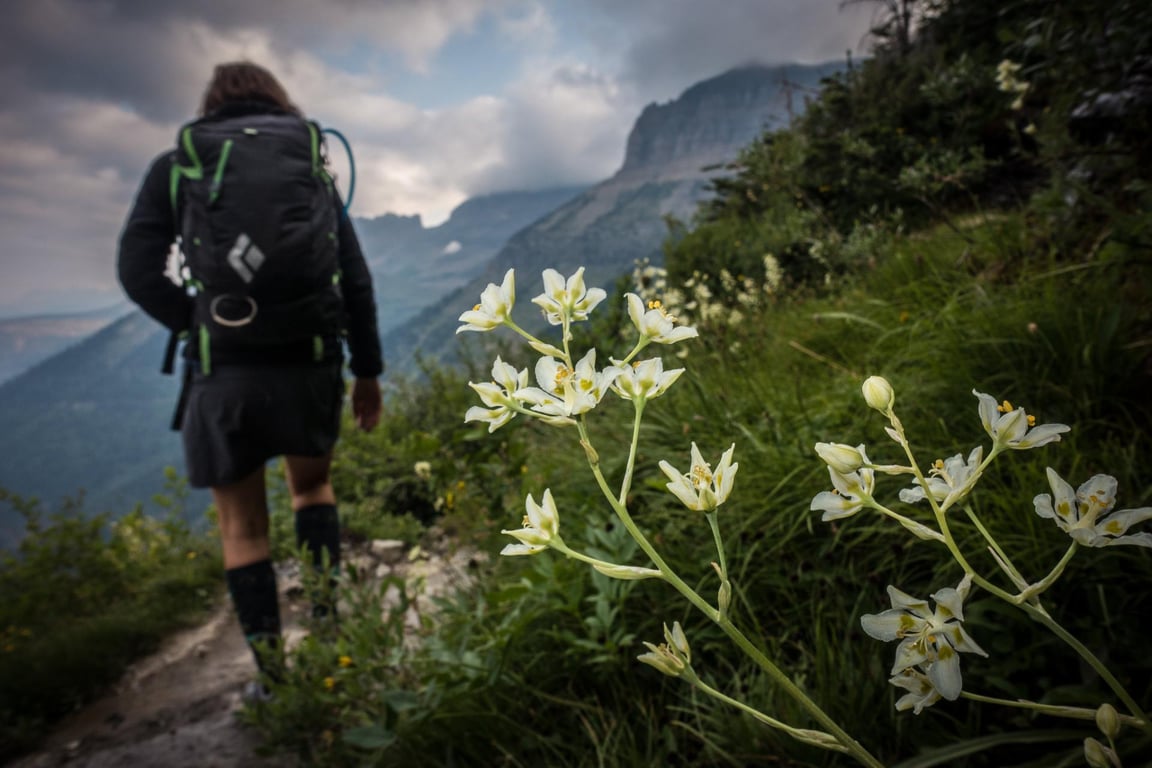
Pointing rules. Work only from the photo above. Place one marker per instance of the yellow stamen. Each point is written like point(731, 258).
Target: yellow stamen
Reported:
point(654, 304)
point(476, 308)
point(563, 373)
point(701, 476)
point(938, 464)
point(1006, 407)
point(1031, 420)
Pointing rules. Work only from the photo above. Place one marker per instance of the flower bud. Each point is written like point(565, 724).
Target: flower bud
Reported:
point(1108, 720)
point(1096, 754)
point(878, 393)
point(627, 572)
point(843, 458)
point(724, 597)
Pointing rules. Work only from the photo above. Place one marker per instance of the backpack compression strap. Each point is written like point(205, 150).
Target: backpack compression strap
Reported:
point(351, 166)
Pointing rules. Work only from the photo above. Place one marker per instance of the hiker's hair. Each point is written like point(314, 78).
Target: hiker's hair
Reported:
point(244, 81)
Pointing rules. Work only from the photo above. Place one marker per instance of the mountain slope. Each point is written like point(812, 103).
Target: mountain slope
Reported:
point(25, 341)
point(412, 265)
point(673, 151)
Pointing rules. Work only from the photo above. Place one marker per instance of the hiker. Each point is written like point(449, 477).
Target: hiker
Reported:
point(276, 285)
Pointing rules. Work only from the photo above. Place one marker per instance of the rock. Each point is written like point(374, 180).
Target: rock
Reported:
point(390, 551)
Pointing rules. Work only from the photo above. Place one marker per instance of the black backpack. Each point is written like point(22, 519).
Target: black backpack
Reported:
point(258, 220)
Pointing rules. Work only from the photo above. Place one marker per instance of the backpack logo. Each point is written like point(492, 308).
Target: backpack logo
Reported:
point(245, 257)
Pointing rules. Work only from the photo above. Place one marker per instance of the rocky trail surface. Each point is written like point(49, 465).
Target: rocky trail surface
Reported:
point(178, 707)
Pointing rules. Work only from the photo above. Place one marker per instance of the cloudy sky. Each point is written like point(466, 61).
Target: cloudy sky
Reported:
point(441, 99)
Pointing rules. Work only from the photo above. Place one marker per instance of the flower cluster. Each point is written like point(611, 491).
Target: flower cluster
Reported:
point(1007, 81)
point(566, 389)
point(927, 664)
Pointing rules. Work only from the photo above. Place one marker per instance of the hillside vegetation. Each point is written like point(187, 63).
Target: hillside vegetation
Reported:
point(965, 210)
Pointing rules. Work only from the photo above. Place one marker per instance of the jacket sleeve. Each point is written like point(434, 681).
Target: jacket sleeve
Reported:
point(145, 241)
point(367, 360)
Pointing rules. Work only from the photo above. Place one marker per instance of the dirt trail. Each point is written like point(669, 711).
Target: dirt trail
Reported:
point(177, 708)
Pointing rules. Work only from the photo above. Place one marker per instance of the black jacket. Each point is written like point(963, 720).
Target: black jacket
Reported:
point(150, 232)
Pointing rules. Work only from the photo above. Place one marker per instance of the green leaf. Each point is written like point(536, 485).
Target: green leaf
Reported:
point(946, 755)
point(400, 700)
point(369, 737)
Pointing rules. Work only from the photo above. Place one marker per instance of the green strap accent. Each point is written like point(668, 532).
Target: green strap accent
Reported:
point(205, 352)
point(218, 177)
point(317, 348)
point(173, 186)
point(194, 171)
point(317, 166)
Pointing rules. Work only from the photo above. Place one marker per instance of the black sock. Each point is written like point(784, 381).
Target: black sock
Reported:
point(253, 590)
point(318, 529)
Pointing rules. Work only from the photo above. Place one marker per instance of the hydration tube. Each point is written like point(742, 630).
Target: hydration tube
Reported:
point(351, 166)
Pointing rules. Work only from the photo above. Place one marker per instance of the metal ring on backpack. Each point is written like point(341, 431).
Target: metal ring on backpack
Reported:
point(232, 323)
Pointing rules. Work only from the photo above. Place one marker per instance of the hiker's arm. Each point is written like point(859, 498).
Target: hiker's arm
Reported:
point(367, 361)
point(144, 244)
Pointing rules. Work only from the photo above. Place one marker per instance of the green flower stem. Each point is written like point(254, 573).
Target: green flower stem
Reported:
point(642, 342)
point(630, 467)
point(566, 327)
point(1001, 558)
point(529, 337)
point(1074, 713)
point(1102, 670)
point(563, 549)
point(715, 524)
point(971, 513)
point(1036, 612)
point(817, 738)
point(907, 522)
point(746, 645)
point(1050, 579)
point(941, 520)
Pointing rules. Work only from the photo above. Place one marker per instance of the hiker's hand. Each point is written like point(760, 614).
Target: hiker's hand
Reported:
point(366, 403)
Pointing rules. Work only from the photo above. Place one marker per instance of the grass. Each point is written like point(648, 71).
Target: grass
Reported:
point(536, 666)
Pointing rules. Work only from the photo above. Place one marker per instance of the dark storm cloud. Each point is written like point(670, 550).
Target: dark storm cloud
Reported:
point(91, 90)
point(155, 56)
point(668, 44)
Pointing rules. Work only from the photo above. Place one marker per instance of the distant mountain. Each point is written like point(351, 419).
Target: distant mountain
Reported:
point(673, 152)
point(95, 415)
point(412, 265)
point(25, 341)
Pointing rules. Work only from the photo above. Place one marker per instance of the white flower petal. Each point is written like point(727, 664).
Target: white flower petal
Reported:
point(888, 625)
point(944, 673)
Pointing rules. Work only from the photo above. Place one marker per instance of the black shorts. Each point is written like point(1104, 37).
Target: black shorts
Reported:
point(238, 417)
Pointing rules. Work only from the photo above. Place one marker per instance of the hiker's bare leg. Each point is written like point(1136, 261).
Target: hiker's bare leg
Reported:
point(309, 480)
point(243, 517)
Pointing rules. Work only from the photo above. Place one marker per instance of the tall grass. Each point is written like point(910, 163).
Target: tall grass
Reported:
point(536, 665)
